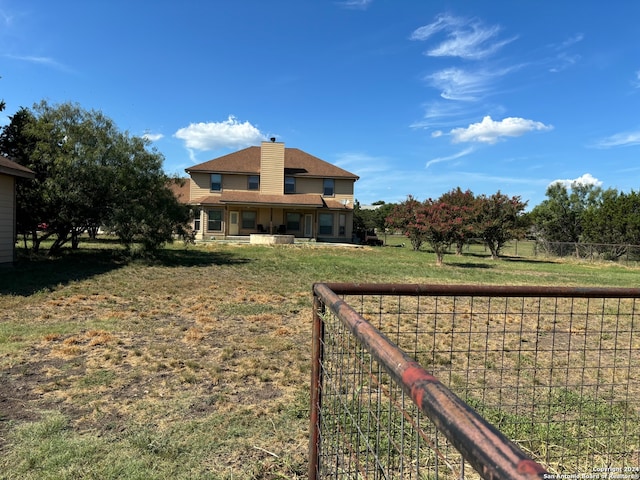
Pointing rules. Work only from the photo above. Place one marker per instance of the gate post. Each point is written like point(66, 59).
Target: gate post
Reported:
point(316, 386)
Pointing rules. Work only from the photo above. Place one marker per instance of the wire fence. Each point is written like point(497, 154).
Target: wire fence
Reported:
point(622, 253)
point(556, 371)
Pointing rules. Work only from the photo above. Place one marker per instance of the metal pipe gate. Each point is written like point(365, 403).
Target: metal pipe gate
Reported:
point(377, 412)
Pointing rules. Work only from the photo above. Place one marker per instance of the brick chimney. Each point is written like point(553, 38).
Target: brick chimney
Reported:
point(272, 168)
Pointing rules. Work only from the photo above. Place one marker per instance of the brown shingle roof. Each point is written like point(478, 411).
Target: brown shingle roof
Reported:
point(255, 198)
point(296, 163)
point(9, 167)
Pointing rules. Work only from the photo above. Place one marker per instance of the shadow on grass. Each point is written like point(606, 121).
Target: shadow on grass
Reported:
point(470, 265)
point(527, 260)
point(192, 258)
point(508, 258)
point(37, 274)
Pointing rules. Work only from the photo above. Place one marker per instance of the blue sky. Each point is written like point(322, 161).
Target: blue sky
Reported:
point(415, 97)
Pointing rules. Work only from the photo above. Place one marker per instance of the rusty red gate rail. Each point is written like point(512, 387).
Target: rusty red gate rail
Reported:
point(487, 450)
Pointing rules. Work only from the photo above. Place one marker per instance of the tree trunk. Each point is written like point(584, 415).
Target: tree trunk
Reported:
point(35, 241)
point(494, 251)
point(75, 238)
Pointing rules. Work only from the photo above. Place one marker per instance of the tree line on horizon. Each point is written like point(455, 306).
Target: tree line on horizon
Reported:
point(577, 214)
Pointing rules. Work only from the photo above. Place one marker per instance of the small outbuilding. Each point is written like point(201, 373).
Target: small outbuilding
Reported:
point(9, 172)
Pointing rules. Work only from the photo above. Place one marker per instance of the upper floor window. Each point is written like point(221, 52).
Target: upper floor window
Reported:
point(289, 185)
point(216, 182)
point(254, 182)
point(328, 189)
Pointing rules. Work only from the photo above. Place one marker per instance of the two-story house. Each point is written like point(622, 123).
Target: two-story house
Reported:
point(272, 189)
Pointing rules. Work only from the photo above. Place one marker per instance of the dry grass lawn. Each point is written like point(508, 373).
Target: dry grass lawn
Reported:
point(194, 365)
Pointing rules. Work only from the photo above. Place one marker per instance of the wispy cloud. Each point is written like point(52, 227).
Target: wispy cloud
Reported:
point(6, 18)
point(578, 37)
point(470, 83)
point(491, 131)
point(465, 38)
point(455, 156)
point(229, 133)
point(362, 163)
point(43, 61)
point(564, 59)
point(355, 4)
point(623, 139)
point(438, 114)
point(465, 85)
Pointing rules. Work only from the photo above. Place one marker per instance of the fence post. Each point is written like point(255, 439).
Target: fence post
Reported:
point(316, 386)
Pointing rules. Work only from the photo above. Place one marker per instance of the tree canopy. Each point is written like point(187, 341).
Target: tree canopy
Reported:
point(88, 174)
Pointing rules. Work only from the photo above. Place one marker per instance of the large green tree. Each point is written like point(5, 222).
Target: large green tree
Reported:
point(366, 219)
point(613, 222)
point(19, 141)
point(559, 218)
point(88, 174)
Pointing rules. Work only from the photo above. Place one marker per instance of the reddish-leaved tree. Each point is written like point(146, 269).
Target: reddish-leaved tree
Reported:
point(403, 217)
point(499, 220)
point(467, 209)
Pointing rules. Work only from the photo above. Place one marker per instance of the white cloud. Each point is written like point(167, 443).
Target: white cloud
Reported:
point(624, 139)
point(586, 179)
point(455, 156)
point(229, 133)
point(490, 131)
point(466, 38)
point(153, 137)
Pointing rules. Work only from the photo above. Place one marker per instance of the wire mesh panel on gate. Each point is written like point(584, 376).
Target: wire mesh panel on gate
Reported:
point(369, 428)
point(557, 374)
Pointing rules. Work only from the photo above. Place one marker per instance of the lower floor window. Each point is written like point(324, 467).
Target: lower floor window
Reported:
point(196, 220)
point(249, 220)
point(325, 224)
point(293, 222)
point(214, 220)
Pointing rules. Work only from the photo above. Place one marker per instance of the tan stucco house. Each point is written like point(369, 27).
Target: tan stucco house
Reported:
point(9, 171)
point(271, 189)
